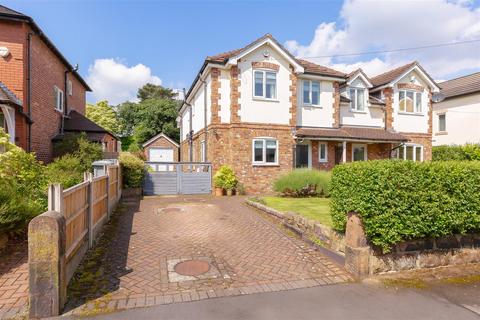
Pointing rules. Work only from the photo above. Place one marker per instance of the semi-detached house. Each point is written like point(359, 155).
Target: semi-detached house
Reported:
point(264, 112)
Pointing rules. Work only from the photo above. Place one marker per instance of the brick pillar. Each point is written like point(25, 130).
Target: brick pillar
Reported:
point(357, 250)
point(293, 98)
point(336, 105)
point(46, 265)
point(234, 95)
point(388, 93)
point(215, 95)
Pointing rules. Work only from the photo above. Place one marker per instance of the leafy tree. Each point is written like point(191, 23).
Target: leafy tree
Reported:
point(129, 116)
point(152, 91)
point(104, 115)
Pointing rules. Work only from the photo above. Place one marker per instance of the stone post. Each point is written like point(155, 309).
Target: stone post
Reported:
point(357, 250)
point(46, 265)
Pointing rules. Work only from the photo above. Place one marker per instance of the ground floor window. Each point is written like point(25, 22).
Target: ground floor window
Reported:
point(202, 151)
point(302, 155)
point(359, 152)
point(265, 151)
point(411, 152)
point(322, 152)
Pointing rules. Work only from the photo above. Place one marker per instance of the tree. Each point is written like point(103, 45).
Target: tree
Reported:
point(152, 91)
point(104, 115)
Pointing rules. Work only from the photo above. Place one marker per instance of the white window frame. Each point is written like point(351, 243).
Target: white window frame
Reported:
point(415, 92)
point(264, 84)
point(353, 100)
point(264, 152)
point(365, 154)
point(404, 146)
point(322, 160)
point(202, 151)
point(444, 120)
point(59, 99)
point(310, 91)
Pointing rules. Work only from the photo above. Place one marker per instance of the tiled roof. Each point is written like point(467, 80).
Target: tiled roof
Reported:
point(79, 123)
point(7, 96)
point(460, 86)
point(309, 67)
point(355, 133)
point(7, 11)
point(391, 75)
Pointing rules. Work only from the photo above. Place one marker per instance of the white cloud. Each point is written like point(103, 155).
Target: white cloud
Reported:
point(112, 80)
point(365, 26)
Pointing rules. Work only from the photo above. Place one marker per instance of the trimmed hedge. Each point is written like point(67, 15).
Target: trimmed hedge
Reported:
point(468, 151)
point(133, 170)
point(303, 182)
point(405, 200)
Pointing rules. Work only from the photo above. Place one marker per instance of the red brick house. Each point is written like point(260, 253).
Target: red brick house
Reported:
point(264, 111)
point(39, 88)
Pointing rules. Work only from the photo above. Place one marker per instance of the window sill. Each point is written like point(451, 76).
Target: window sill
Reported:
point(265, 99)
point(265, 164)
point(312, 106)
point(358, 111)
point(322, 161)
point(411, 114)
point(441, 133)
point(59, 111)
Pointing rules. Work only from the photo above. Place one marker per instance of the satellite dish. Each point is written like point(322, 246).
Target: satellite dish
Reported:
point(438, 97)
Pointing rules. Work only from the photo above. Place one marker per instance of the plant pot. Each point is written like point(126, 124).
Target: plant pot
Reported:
point(218, 191)
point(229, 192)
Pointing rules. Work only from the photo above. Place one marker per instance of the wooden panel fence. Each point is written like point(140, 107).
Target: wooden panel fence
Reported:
point(86, 207)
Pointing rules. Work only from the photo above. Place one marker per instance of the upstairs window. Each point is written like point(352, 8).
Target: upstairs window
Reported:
point(410, 101)
point(311, 92)
point(265, 151)
point(442, 123)
point(357, 99)
point(265, 84)
point(59, 98)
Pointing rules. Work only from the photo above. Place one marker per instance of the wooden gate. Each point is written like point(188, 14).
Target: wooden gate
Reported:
point(163, 178)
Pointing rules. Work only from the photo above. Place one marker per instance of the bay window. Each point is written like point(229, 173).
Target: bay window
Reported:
point(265, 151)
point(357, 99)
point(265, 84)
point(311, 92)
point(411, 152)
point(410, 101)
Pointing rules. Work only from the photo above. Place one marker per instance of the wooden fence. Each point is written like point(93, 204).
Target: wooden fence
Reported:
point(86, 207)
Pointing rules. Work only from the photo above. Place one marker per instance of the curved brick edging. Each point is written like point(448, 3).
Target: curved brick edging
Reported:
point(328, 237)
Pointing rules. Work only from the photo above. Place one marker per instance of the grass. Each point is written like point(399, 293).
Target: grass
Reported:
point(313, 208)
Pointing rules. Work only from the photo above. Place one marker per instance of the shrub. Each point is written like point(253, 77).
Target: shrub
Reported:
point(78, 145)
point(133, 170)
point(456, 152)
point(303, 182)
point(66, 170)
point(225, 178)
point(405, 200)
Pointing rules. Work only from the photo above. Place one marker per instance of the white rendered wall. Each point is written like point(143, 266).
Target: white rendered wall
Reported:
point(224, 96)
point(321, 116)
point(462, 116)
point(258, 110)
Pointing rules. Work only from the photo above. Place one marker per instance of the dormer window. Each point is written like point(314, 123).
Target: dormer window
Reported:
point(311, 93)
point(410, 101)
point(357, 99)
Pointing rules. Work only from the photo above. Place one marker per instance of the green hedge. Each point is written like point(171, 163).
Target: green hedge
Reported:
point(303, 182)
point(404, 200)
point(133, 170)
point(456, 152)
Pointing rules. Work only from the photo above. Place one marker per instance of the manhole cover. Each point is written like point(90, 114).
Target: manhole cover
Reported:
point(192, 267)
point(169, 210)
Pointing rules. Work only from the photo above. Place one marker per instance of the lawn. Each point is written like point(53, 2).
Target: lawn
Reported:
point(313, 208)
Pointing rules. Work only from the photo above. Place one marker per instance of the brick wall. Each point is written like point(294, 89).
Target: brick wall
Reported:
point(111, 143)
point(162, 142)
point(336, 105)
point(388, 93)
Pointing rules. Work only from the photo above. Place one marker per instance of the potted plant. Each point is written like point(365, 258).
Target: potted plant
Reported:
point(225, 178)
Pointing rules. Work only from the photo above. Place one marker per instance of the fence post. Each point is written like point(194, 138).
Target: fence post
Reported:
point(107, 173)
point(119, 182)
point(357, 249)
point(88, 176)
point(55, 197)
point(46, 265)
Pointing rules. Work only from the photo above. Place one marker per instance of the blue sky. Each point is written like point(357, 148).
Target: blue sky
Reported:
point(169, 39)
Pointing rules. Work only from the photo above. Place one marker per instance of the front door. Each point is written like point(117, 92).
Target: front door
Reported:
point(338, 154)
point(301, 156)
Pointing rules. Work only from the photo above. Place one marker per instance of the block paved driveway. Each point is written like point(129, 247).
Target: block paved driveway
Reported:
point(248, 253)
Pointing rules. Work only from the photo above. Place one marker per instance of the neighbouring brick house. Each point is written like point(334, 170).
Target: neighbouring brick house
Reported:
point(264, 112)
point(39, 88)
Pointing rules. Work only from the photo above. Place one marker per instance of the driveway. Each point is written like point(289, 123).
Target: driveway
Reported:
point(180, 249)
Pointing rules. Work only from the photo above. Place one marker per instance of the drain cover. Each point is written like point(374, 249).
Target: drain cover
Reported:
point(192, 267)
point(169, 210)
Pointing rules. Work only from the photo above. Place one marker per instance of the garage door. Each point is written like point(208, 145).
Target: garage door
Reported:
point(160, 155)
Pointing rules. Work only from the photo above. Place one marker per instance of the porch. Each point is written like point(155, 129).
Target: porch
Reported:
point(8, 103)
point(324, 148)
